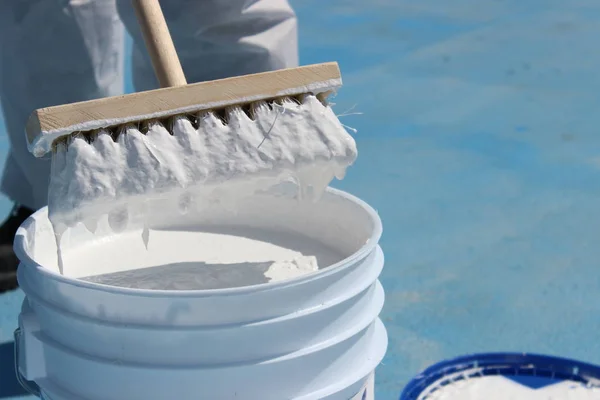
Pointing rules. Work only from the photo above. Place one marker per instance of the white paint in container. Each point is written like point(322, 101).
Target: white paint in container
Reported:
point(204, 259)
point(501, 388)
point(245, 334)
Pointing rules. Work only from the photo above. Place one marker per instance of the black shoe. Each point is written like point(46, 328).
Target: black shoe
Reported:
point(8, 259)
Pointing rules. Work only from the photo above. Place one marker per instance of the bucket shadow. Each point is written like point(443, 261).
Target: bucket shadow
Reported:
point(9, 386)
point(187, 276)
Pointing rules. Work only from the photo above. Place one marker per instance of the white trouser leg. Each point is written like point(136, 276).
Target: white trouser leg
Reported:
point(219, 38)
point(52, 52)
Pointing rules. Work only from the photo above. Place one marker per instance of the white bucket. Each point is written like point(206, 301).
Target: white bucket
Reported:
point(313, 337)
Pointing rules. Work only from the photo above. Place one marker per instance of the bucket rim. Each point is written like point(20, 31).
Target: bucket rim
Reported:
point(27, 262)
point(504, 364)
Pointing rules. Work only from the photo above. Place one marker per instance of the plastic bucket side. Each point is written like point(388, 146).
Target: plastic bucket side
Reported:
point(320, 369)
point(213, 345)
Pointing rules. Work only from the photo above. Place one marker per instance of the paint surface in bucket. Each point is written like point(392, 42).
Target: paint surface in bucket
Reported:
point(200, 260)
point(257, 239)
point(506, 377)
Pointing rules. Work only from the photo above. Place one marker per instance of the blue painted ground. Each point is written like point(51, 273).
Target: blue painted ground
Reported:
point(479, 145)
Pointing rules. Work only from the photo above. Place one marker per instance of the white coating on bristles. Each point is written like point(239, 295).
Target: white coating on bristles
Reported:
point(217, 160)
point(43, 142)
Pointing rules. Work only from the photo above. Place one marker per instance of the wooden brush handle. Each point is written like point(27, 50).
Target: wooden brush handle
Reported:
point(159, 43)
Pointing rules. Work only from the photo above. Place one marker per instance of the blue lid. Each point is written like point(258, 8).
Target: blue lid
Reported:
point(526, 373)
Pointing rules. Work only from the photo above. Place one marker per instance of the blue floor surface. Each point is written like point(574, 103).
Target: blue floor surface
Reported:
point(479, 146)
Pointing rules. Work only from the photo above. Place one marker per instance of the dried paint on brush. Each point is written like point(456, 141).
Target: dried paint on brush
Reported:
point(207, 157)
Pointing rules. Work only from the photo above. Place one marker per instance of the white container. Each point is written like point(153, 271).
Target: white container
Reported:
point(313, 337)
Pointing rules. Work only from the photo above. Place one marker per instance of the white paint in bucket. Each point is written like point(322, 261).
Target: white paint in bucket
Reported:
point(211, 258)
point(316, 336)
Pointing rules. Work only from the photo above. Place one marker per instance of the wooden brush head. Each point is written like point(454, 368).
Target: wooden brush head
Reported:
point(46, 125)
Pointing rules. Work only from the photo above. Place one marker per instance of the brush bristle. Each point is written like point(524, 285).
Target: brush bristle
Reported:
point(266, 140)
point(249, 109)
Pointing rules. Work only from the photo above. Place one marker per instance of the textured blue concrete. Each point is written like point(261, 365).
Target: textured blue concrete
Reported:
point(479, 146)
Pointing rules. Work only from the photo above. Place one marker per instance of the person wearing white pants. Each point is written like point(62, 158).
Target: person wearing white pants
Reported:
point(62, 51)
